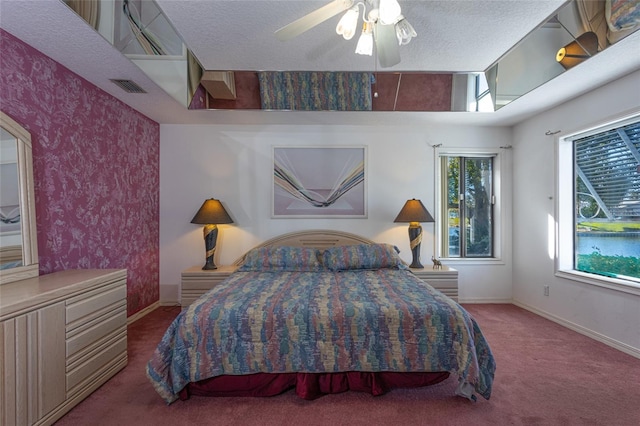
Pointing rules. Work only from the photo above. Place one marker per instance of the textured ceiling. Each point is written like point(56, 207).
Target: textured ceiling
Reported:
point(462, 35)
point(454, 35)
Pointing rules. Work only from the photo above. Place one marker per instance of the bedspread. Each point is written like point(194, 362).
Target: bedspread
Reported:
point(368, 320)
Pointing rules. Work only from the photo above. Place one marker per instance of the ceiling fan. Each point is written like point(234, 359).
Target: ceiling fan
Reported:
point(383, 25)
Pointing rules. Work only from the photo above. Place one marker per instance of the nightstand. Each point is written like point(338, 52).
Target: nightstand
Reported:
point(444, 279)
point(196, 282)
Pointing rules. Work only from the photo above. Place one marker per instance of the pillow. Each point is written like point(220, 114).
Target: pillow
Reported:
point(283, 258)
point(362, 256)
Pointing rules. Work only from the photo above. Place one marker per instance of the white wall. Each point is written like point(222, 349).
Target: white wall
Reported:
point(604, 314)
point(234, 164)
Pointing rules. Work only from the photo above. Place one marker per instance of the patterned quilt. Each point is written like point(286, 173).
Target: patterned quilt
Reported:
point(360, 320)
point(315, 91)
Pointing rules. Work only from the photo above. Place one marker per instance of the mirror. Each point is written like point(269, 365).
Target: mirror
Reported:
point(140, 31)
point(578, 30)
point(532, 62)
point(574, 33)
point(18, 239)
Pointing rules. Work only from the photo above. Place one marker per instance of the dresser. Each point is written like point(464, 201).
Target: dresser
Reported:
point(195, 282)
point(62, 335)
point(444, 279)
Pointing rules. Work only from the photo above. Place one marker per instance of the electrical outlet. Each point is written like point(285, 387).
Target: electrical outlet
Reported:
point(546, 290)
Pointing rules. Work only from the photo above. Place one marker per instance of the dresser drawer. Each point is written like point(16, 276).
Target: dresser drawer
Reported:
point(78, 338)
point(187, 299)
point(98, 360)
point(96, 300)
point(444, 279)
point(195, 282)
point(202, 285)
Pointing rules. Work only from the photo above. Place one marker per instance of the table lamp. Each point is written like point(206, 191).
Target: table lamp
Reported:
point(414, 212)
point(578, 50)
point(211, 214)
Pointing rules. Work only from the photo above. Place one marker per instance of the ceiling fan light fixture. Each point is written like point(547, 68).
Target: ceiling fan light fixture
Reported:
point(382, 29)
point(348, 23)
point(404, 31)
point(365, 42)
point(389, 11)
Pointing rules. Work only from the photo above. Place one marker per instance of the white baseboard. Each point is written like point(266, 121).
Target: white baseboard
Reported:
point(135, 317)
point(487, 300)
point(628, 349)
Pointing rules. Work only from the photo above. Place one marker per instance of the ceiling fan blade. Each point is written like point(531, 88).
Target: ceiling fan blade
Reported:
point(312, 19)
point(387, 45)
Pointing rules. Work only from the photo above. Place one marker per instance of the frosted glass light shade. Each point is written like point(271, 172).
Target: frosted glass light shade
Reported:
point(389, 11)
point(348, 23)
point(365, 43)
point(404, 31)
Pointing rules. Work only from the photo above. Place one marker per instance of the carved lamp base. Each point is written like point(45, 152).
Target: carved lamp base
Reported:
point(415, 238)
point(210, 238)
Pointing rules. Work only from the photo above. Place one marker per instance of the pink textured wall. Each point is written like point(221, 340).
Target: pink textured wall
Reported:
point(96, 171)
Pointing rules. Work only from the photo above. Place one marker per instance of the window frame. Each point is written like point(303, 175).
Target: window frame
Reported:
point(480, 96)
point(498, 155)
point(565, 207)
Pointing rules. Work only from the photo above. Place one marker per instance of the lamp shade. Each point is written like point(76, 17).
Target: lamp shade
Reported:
point(414, 211)
point(211, 212)
point(578, 50)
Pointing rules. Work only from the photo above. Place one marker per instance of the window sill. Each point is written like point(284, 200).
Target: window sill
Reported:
point(606, 282)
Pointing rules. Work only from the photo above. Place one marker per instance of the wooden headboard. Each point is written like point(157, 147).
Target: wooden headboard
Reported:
point(317, 238)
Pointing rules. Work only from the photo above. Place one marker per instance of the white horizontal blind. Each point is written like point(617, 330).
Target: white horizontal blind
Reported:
point(610, 163)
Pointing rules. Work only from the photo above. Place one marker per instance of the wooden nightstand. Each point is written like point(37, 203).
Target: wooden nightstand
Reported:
point(196, 282)
point(444, 279)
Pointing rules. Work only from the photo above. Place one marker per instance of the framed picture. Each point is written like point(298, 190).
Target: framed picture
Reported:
point(319, 182)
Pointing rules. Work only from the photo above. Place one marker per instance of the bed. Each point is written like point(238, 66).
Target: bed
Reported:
point(610, 20)
point(321, 312)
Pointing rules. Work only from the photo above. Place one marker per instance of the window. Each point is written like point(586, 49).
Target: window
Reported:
point(483, 100)
point(477, 93)
point(467, 205)
point(599, 203)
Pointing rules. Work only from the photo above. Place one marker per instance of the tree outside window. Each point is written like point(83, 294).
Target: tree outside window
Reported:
point(468, 206)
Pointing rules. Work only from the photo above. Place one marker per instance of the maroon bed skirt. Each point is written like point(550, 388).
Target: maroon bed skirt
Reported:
point(309, 385)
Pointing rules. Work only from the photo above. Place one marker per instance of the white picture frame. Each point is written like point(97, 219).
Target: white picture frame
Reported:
point(319, 182)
